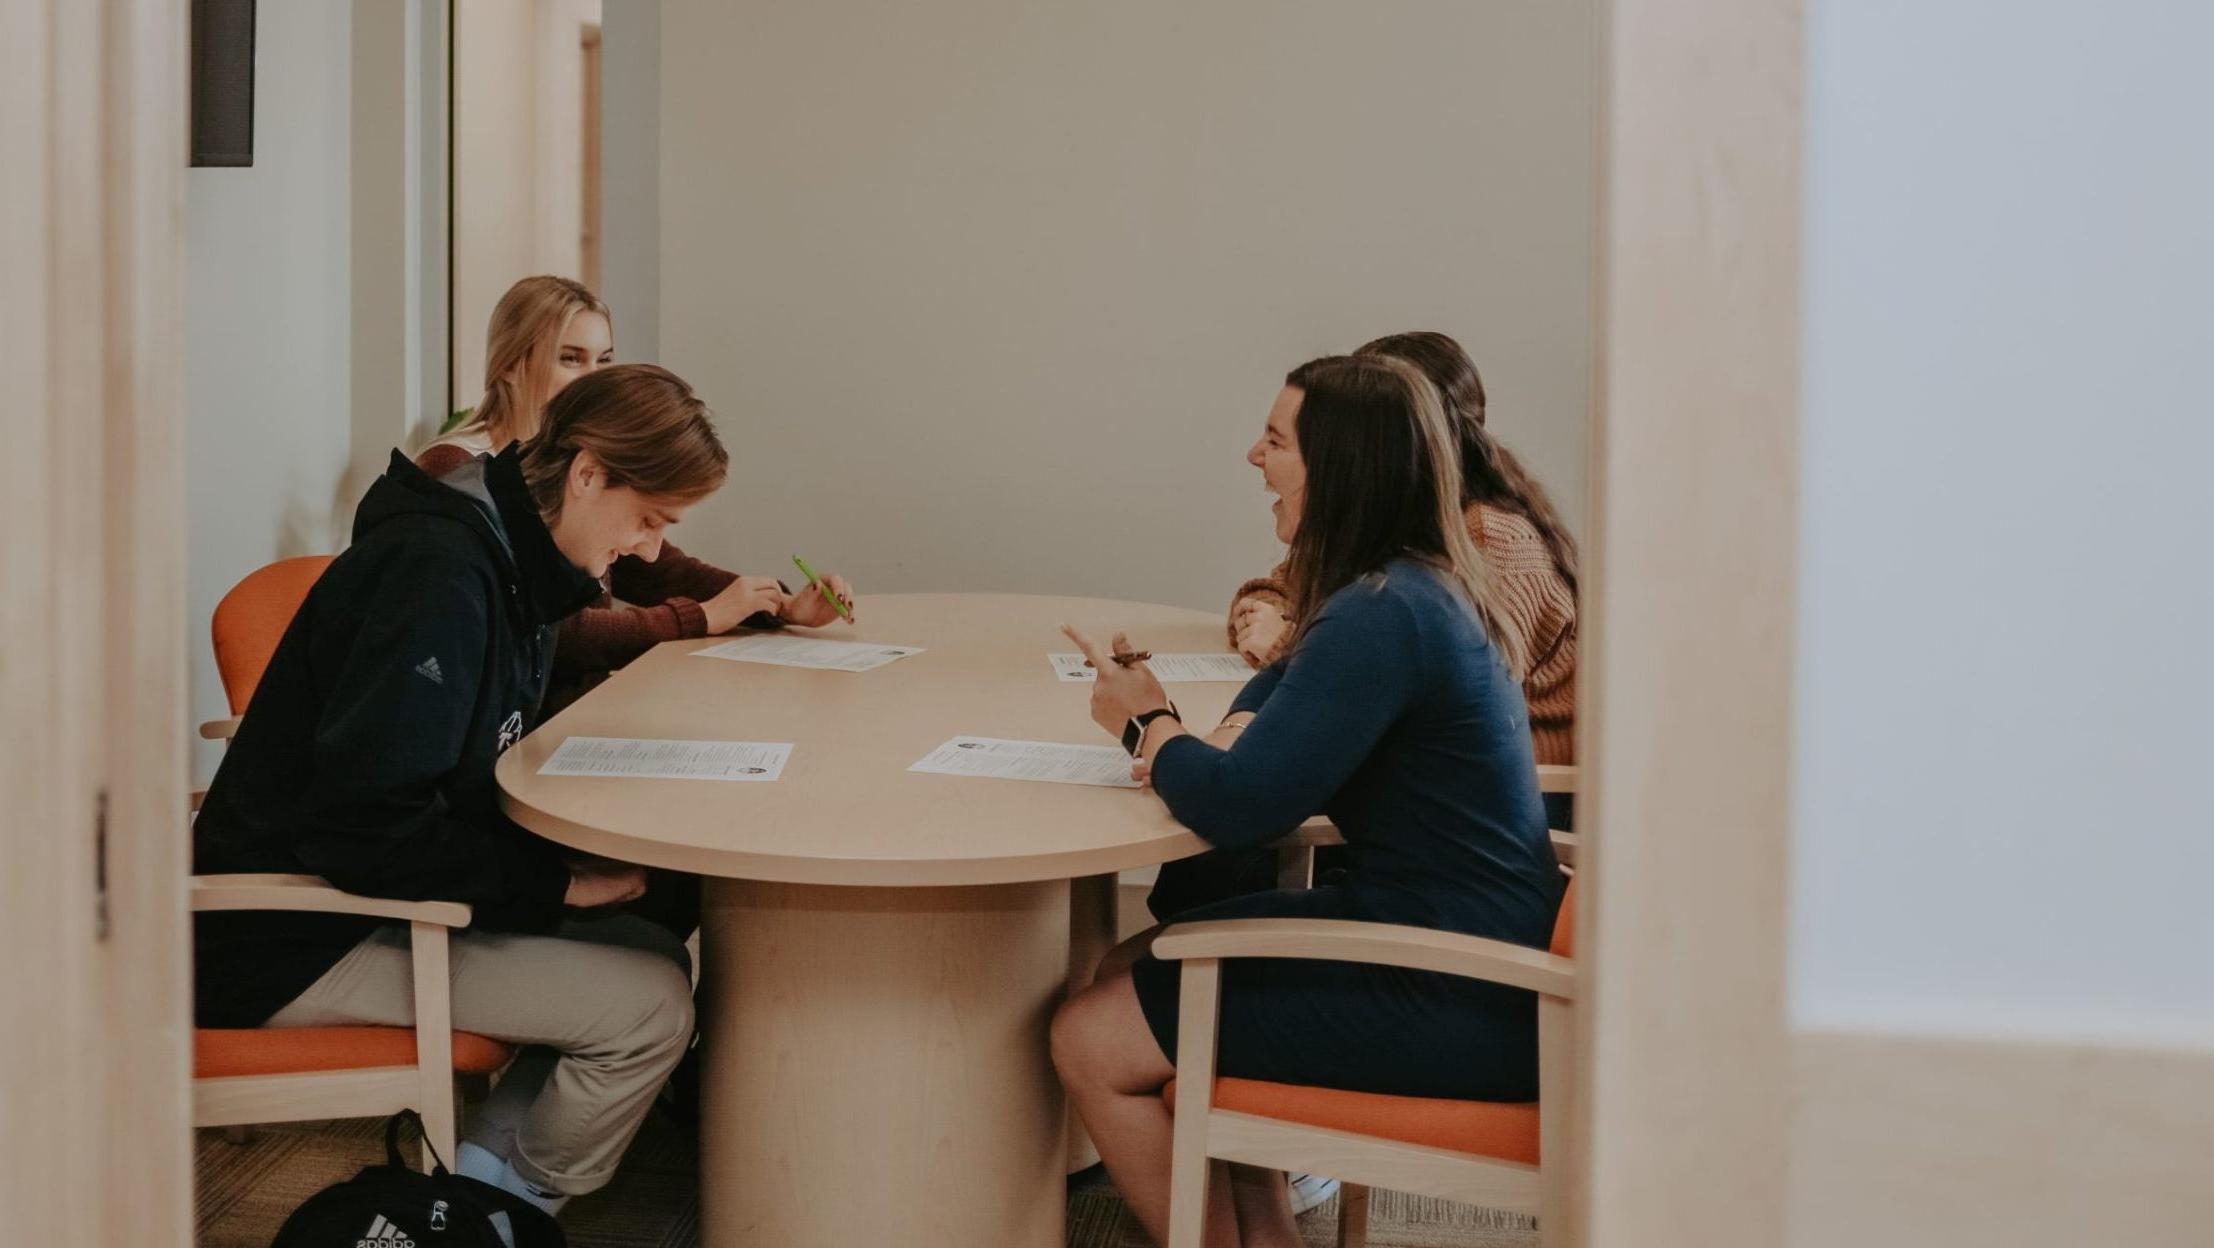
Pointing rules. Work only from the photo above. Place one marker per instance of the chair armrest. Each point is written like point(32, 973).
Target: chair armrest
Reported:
point(307, 892)
point(1566, 847)
point(1382, 944)
point(1556, 778)
point(1319, 831)
point(219, 729)
point(1316, 831)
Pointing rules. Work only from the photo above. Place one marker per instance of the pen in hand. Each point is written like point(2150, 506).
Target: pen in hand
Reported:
point(815, 582)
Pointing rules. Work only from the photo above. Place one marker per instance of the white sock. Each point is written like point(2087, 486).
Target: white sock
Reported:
point(480, 1163)
point(485, 1166)
point(514, 1183)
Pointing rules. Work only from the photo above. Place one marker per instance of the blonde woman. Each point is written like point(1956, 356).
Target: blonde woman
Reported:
point(545, 333)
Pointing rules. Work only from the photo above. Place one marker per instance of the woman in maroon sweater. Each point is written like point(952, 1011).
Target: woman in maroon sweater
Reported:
point(545, 333)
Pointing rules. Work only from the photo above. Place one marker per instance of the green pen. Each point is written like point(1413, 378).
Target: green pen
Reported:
point(816, 582)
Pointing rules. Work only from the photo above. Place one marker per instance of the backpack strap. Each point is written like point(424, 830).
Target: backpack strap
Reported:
point(392, 1143)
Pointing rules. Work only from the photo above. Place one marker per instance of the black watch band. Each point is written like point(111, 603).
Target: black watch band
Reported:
point(1133, 732)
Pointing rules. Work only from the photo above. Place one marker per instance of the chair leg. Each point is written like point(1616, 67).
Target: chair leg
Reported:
point(438, 1130)
point(1189, 1166)
point(1352, 1215)
point(1189, 1173)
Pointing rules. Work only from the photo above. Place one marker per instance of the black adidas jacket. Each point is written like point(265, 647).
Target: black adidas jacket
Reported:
point(366, 754)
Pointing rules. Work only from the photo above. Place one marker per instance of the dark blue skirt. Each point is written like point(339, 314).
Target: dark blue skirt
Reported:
point(1351, 1025)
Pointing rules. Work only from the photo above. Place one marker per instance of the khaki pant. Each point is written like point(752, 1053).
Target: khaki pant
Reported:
point(607, 1002)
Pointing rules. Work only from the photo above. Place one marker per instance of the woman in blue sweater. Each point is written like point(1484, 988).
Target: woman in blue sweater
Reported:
point(1390, 712)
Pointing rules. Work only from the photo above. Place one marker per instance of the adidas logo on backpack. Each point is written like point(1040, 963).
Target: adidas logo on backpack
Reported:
point(405, 1208)
point(382, 1234)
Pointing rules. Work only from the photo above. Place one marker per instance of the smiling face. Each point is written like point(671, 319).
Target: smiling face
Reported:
point(587, 344)
point(1276, 454)
point(599, 523)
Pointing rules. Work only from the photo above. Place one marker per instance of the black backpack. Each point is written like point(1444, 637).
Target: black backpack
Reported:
point(397, 1206)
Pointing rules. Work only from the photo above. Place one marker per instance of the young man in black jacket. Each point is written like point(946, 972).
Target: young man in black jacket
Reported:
point(366, 756)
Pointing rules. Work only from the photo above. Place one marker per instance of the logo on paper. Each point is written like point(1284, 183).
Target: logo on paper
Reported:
point(428, 669)
point(511, 730)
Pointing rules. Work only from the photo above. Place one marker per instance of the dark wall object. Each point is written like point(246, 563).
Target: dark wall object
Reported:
point(223, 82)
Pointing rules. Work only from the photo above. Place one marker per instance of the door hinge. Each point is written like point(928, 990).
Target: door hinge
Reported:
point(100, 869)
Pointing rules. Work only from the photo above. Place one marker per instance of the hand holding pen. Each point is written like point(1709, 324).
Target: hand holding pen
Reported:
point(827, 597)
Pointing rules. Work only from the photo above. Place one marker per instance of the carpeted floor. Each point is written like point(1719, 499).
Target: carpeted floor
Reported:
point(246, 1190)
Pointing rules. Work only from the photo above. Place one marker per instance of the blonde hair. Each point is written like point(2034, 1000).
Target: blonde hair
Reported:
point(643, 424)
point(525, 331)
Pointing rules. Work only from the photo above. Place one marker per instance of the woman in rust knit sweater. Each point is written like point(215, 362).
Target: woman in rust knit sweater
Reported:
point(545, 333)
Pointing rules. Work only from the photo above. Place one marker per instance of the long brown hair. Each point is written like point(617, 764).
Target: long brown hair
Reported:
point(644, 425)
point(1383, 481)
point(519, 342)
point(1490, 473)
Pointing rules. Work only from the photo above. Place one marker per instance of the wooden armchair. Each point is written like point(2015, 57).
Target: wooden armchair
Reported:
point(1480, 1152)
point(291, 1074)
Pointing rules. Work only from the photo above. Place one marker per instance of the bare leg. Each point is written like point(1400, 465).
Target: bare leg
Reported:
point(1263, 1202)
point(1119, 959)
point(1114, 1071)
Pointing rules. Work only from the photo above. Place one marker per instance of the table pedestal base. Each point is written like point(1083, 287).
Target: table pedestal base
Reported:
point(876, 1069)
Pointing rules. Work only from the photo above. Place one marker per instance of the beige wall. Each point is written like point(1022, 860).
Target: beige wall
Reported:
point(268, 350)
point(994, 295)
point(518, 152)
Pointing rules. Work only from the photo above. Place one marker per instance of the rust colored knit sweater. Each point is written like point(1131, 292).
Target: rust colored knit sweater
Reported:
point(1539, 600)
point(665, 598)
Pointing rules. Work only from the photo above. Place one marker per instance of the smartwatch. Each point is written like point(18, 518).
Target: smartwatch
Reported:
point(1133, 733)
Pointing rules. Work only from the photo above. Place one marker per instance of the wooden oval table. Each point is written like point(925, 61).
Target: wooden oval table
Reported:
point(881, 949)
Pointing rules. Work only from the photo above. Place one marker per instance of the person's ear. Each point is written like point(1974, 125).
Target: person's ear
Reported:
point(586, 475)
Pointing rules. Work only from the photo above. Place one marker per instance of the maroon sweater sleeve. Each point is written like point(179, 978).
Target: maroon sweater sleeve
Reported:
point(667, 595)
point(672, 576)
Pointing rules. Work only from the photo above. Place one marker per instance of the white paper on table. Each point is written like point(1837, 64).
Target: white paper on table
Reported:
point(1167, 668)
point(668, 760)
point(813, 652)
point(1049, 761)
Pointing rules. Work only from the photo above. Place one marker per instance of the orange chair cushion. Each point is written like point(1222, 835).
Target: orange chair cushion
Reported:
point(1507, 1130)
point(220, 1053)
point(251, 620)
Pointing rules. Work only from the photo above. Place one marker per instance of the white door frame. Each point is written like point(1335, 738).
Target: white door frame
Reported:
point(1687, 645)
point(95, 1035)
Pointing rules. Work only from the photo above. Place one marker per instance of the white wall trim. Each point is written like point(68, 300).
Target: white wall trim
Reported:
point(388, 122)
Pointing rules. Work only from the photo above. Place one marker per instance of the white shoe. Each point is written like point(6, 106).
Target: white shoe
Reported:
point(1311, 1191)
